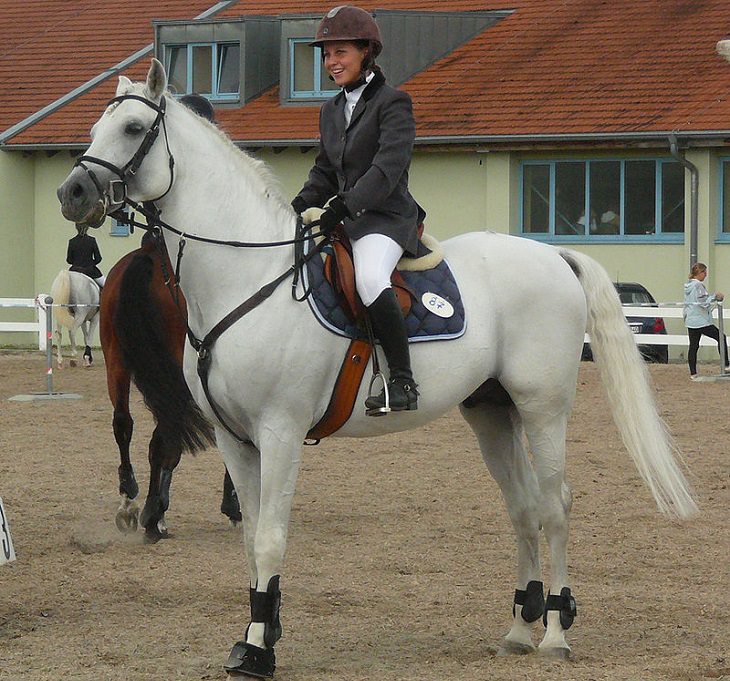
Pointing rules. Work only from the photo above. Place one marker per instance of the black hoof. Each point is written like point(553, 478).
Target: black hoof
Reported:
point(153, 534)
point(249, 660)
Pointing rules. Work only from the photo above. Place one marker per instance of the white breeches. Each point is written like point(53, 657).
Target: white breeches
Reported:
point(375, 257)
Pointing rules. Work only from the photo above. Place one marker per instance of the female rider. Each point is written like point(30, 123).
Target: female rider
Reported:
point(366, 142)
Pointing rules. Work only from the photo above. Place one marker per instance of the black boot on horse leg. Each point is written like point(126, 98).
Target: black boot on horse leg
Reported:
point(248, 659)
point(390, 328)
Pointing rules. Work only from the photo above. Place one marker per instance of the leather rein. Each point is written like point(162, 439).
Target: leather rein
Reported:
point(115, 198)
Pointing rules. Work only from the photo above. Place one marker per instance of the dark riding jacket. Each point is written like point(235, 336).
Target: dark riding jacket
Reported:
point(366, 164)
point(83, 255)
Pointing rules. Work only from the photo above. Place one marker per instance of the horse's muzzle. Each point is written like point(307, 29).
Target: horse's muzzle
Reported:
point(80, 199)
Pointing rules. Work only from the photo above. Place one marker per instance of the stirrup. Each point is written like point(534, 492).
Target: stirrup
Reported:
point(385, 409)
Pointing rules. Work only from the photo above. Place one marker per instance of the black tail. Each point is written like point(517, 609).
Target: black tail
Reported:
point(149, 358)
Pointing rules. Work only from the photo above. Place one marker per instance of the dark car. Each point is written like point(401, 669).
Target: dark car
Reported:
point(631, 293)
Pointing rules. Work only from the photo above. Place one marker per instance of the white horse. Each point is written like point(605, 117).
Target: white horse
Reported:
point(513, 372)
point(75, 305)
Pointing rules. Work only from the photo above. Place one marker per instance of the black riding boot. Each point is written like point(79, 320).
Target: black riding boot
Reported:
point(390, 328)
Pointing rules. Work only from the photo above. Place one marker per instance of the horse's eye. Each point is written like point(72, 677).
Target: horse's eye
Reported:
point(133, 128)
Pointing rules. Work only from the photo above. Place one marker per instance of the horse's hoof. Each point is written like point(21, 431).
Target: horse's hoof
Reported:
point(87, 362)
point(514, 648)
point(126, 520)
point(249, 660)
point(560, 654)
point(233, 523)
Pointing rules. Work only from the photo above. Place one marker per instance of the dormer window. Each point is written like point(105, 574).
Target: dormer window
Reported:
point(308, 77)
point(210, 69)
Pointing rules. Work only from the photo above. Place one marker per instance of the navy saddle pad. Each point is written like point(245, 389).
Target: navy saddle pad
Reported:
point(437, 312)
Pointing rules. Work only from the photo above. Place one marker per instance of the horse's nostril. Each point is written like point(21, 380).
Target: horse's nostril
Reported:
point(77, 191)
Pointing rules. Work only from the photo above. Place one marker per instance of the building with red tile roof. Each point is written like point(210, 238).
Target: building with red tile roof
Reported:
point(518, 105)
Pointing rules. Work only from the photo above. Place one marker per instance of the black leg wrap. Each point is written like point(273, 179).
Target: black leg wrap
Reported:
point(265, 608)
point(128, 483)
point(532, 601)
point(565, 603)
point(251, 661)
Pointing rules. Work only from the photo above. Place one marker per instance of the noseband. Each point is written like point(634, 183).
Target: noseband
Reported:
point(115, 195)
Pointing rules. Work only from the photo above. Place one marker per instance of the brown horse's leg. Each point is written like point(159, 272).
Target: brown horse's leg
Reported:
point(118, 382)
point(164, 456)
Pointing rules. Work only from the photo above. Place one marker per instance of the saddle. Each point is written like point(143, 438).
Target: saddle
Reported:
point(339, 270)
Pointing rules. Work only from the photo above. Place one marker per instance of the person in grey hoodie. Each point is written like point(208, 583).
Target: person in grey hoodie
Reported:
point(698, 315)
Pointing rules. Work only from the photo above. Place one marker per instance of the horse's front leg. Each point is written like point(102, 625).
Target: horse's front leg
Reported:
point(265, 507)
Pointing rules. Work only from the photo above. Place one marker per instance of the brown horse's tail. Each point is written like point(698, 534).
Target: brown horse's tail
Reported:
point(149, 357)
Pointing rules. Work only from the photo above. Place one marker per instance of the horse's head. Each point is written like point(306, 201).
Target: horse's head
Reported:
point(127, 156)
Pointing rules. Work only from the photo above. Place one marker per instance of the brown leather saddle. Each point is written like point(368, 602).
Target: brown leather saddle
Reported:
point(339, 270)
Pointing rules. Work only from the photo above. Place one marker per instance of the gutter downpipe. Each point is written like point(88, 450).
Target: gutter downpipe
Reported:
point(693, 195)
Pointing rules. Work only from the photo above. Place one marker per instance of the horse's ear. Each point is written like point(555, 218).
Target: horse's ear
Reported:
point(156, 80)
point(124, 85)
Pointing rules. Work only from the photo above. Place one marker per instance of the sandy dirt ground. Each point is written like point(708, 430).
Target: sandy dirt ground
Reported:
point(401, 557)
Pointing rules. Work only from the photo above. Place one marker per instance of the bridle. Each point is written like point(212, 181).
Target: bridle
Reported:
point(115, 195)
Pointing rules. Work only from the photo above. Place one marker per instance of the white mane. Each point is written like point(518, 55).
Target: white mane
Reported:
point(256, 172)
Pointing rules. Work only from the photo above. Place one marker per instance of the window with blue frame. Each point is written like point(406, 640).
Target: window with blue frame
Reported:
point(210, 69)
point(725, 198)
point(119, 228)
point(642, 199)
point(308, 77)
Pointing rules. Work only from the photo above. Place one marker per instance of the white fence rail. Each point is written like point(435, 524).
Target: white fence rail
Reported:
point(37, 327)
point(669, 311)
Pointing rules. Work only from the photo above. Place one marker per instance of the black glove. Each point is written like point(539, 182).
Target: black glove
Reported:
point(299, 205)
point(333, 216)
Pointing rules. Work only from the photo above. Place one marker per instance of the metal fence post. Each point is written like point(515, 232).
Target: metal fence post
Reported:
point(721, 328)
point(49, 344)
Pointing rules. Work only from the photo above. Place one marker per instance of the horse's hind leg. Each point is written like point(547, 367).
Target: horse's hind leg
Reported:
point(498, 428)
point(546, 433)
point(87, 356)
point(118, 382)
point(164, 456)
point(72, 338)
point(59, 355)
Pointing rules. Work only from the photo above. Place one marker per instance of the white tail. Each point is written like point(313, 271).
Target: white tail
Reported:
point(60, 291)
point(628, 386)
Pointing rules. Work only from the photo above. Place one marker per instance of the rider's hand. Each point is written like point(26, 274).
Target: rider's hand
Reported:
point(333, 216)
point(720, 296)
point(299, 205)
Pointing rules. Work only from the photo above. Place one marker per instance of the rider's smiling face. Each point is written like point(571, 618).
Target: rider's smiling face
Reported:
point(343, 61)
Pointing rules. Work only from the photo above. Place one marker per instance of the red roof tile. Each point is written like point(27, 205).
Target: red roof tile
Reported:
point(551, 68)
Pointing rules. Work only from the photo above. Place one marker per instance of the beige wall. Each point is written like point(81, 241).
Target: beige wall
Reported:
point(461, 191)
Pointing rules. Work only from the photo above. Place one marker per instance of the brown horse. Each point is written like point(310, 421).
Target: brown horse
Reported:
point(134, 286)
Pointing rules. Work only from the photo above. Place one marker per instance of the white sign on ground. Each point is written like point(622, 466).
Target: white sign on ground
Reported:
point(7, 552)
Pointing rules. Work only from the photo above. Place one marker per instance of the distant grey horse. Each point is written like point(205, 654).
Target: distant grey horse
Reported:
point(75, 304)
